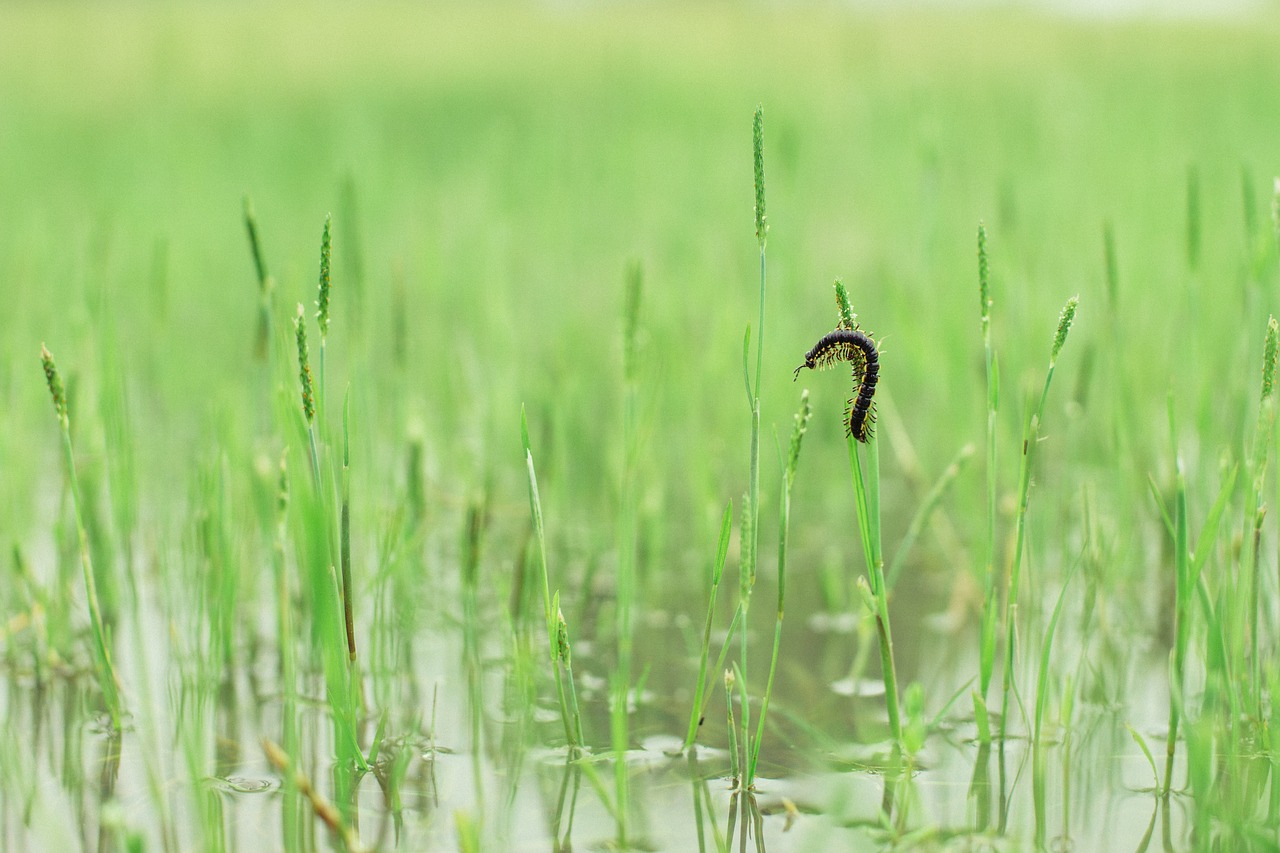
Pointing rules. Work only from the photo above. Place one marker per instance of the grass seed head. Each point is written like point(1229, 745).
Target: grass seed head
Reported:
point(984, 276)
point(757, 146)
point(797, 433)
point(846, 319)
point(1269, 350)
point(562, 636)
point(304, 366)
point(1064, 326)
point(55, 383)
point(322, 302)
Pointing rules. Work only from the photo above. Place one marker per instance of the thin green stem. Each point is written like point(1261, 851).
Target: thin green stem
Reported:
point(866, 489)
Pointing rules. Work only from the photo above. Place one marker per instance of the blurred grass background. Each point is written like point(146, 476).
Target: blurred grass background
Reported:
point(492, 170)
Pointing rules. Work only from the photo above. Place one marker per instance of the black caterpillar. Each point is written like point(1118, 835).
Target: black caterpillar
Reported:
point(856, 347)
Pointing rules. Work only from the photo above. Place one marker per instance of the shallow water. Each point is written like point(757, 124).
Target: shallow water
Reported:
point(471, 746)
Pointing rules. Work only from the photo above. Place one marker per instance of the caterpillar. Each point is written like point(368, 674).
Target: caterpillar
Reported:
point(857, 348)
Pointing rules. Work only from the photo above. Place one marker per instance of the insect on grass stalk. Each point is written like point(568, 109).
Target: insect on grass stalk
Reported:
point(103, 667)
point(866, 490)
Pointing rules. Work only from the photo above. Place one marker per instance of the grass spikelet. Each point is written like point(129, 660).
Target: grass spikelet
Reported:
point(304, 367)
point(322, 315)
point(306, 389)
point(1269, 352)
point(56, 388)
point(1065, 319)
point(848, 319)
point(322, 299)
point(984, 279)
point(757, 151)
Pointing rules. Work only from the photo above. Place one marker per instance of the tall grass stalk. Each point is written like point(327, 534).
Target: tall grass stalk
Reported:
point(1179, 530)
point(1249, 610)
point(990, 610)
point(324, 585)
point(751, 509)
point(290, 809)
point(568, 707)
point(1030, 439)
point(101, 646)
point(790, 464)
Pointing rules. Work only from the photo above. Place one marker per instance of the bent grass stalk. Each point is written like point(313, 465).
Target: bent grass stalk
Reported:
point(1030, 439)
point(703, 688)
point(931, 501)
point(327, 813)
point(103, 667)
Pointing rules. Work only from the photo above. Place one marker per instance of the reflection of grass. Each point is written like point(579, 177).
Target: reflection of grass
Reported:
point(502, 177)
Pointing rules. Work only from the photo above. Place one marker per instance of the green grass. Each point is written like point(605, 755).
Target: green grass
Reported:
point(201, 547)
